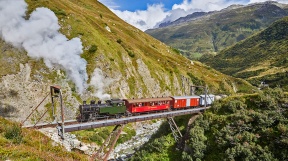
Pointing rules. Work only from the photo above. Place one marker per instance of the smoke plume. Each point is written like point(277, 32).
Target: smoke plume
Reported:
point(39, 36)
point(97, 81)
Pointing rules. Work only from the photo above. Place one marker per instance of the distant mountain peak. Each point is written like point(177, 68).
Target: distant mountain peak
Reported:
point(187, 18)
point(271, 5)
point(233, 6)
point(209, 32)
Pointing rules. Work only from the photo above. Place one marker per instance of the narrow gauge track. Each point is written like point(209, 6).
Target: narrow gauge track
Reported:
point(74, 125)
point(110, 122)
point(52, 124)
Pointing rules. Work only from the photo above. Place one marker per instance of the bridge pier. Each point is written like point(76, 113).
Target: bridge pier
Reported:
point(174, 128)
point(109, 143)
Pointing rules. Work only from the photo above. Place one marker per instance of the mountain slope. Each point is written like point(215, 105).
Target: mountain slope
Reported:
point(262, 57)
point(131, 64)
point(215, 31)
point(28, 144)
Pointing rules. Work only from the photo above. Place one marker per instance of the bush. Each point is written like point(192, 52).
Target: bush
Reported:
point(13, 132)
point(93, 49)
point(131, 54)
point(119, 41)
point(59, 12)
point(96, 138)
point(176, 50)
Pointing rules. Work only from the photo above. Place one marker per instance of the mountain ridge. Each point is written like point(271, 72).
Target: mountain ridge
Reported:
point(260, 58)
point(214, 32)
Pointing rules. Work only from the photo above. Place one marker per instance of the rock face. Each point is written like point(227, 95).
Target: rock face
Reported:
point(144, 131)
point(20, 93)
point(70, 142)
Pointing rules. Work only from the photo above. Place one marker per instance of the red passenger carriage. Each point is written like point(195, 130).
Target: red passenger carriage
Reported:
point(148, 104)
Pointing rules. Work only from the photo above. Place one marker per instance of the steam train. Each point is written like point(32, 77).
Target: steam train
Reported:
point(116, 108)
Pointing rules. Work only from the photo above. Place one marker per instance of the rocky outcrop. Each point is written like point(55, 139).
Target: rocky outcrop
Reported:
point(20, 94)
point(144, 131)
point(70, 142)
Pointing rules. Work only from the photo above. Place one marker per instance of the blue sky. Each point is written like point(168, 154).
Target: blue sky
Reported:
point(147, 14)
point(133, 5)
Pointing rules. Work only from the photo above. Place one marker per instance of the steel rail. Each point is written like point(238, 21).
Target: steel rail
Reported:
point(111, 122)
point(51, 124)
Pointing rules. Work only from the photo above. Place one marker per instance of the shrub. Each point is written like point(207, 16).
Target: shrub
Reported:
point(176, 50)
point(59, 12)
point(93, 49)
point(119, 41)
point(13, 132)
point(96, 138)
point(131, 54)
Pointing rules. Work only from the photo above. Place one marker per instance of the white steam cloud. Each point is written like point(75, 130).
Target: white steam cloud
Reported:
point(97, 81)
point(39, 36)
point(157, 13)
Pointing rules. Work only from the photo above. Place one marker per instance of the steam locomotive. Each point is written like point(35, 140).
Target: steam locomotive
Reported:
point(115, 108)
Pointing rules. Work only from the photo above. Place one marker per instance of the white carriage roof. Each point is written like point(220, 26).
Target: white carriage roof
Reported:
point(185, 97)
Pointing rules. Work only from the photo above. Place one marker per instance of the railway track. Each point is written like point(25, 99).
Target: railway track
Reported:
point(52, 124)
point(113, 121)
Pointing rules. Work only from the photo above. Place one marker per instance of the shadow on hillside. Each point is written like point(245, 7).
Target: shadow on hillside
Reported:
point(6, 110)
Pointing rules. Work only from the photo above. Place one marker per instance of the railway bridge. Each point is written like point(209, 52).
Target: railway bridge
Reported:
point(73, 125)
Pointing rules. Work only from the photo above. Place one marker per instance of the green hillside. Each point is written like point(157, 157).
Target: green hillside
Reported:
point(23, 144)
point(218, 30)
point(262, 57)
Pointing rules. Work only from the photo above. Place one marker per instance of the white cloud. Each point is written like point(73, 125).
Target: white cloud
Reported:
point(156, 14)
point(204, 5)
point(143, 19)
